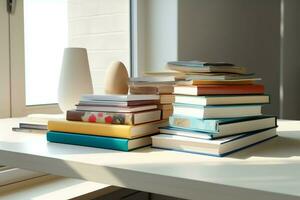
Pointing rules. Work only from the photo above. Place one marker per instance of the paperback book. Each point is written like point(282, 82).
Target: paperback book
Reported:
point(119, 144)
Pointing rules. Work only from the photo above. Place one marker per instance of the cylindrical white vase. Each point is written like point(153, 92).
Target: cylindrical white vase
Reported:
point(75, 78)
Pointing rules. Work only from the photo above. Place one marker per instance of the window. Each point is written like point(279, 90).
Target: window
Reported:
point(101, 26)
point(45, 37)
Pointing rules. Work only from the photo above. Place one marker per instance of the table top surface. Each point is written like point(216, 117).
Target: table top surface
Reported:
point(268, 168)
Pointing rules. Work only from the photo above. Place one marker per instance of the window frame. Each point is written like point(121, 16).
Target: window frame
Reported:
point(5, 107)
point(18, 94)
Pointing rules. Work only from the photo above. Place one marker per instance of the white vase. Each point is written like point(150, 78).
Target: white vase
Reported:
point(75, 78)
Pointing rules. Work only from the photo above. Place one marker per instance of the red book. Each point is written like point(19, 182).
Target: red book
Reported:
point(219, 89)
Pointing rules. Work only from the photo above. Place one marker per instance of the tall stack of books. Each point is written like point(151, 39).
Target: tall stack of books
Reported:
point(217, 110)
point(119, 122)
point(159, 85)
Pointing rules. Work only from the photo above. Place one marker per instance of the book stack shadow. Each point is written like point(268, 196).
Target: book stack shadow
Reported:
point(217, 111)
point(118, 122)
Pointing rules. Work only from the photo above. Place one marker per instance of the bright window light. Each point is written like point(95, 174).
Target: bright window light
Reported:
point(46, 36)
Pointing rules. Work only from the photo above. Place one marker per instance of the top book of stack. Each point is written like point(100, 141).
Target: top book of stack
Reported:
point(198, 66)
point(204, 78)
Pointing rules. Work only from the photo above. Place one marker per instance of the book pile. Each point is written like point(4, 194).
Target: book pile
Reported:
point(216, 116)
point(119, 122)
point(159, 85)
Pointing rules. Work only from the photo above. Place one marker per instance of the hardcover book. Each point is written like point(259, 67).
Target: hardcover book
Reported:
point(222, 99)
point(114, 118)
point(98, 141)
point(218, 82)
point(119, 109)
point(218, 147)
point(223, 127)
point(109, 130)
point(118, 103)
point(209, 112)
point(130, 97)
point(219, 89)
point(162, 89)
point(167, 98)
point(198, 66)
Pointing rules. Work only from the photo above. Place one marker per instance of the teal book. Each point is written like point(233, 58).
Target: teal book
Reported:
point(223, 127)
point(119, 144)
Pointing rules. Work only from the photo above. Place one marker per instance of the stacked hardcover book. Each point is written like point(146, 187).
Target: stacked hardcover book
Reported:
point(216, 112)
point(162, 86)
point(119, 122)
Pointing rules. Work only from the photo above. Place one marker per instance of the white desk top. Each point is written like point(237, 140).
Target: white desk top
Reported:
point(269, 170)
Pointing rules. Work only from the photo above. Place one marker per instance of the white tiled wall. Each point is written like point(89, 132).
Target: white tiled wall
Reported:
point(103, 27)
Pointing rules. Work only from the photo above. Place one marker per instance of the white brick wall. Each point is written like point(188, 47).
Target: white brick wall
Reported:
point(103, 27)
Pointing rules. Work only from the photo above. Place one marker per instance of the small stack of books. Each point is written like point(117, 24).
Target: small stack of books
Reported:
point(159, 85)
point(216, 116)
point(119, 122)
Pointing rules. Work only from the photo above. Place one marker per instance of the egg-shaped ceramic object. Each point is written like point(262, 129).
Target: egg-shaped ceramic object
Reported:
point(116, 79)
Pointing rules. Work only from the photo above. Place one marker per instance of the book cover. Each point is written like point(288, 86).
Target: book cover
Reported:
point(163, 89)
point(198, 66)
point(219, 89)
point(112, 117)
point(117, 103)
point(219, 111)
point(218, 147)
point(130, 97)
point(167, 98)
point(223, 99)
point(109, 130)
point(98, 141)
point(221, 127)
point(128, 109)
point(218, 82)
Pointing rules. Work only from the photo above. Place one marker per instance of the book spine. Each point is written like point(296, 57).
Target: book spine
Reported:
point(101, 117)
point(110, 130)
point(233, 89)
point(88, 140)
point(190, 123)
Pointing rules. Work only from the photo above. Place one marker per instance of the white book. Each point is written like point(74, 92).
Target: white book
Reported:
point(222, 100)
point(208, 112)
point(130, 97)
point(217, 147)
point(116, 109)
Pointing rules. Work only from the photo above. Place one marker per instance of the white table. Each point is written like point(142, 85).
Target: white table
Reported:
point(266, 171)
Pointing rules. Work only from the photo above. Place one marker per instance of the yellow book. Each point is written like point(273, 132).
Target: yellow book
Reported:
point(109, 130)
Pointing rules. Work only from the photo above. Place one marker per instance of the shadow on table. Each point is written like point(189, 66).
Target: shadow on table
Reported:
point(279, 147)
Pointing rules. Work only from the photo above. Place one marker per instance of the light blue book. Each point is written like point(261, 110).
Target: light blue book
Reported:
point(223, 127)
point(120, 144)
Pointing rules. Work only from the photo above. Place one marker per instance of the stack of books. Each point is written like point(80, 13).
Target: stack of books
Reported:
point(216, 116)
point(119, 122)
point(159, 85)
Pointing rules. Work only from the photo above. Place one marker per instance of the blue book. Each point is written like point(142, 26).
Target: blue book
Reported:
point(210, 112)
point(219, 147)
point(120, 144)
point(222, 127)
